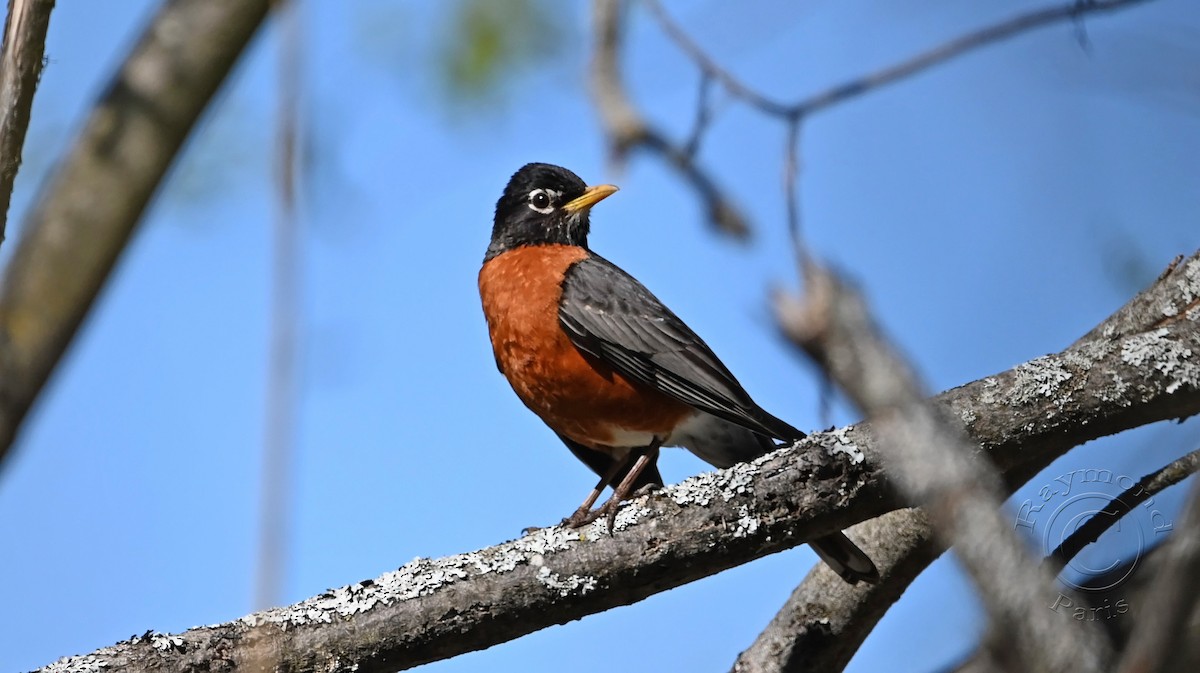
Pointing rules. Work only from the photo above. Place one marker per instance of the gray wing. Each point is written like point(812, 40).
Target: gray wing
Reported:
point(609, 315)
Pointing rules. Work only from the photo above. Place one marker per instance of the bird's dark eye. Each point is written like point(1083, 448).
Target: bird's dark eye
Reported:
point(539, 199)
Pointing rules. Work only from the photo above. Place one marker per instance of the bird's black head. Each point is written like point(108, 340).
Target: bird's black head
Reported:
point(543, 204)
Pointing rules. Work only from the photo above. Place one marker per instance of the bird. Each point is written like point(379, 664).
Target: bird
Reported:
point(605, 364)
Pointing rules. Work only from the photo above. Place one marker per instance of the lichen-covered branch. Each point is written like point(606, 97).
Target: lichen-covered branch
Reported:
point(434, 609)
point(89, 207)
point(20, 69)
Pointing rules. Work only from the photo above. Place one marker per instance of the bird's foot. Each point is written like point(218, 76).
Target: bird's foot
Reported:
point(581, 517)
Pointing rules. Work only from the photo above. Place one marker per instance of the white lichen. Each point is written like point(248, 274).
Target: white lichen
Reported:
point(724, 485)
point(1041, 377)
point(165, 642)
point(990, 386)
point(747, 524)
point(577, 585)
point(88, 663)
point(1169, 357)
point(844, 445)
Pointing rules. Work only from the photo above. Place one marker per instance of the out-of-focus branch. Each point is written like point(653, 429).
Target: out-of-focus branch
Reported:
point(434, 609)
point(1173, 294)
point(880, 78)
point(933, 464)
point(20, 69)
point(280, 422)
point(1155, 644)
point(807, 635)
point(627, 129)
point(90, 205)
point(1146, 487)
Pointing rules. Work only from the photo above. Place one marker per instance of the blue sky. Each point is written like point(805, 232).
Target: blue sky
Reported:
point(993, 209)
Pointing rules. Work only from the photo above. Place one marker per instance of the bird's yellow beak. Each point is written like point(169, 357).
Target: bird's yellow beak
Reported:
point(589, 198)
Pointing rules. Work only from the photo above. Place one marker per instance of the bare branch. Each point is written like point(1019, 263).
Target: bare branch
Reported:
point(90, 206)
point(20, 69)
point(1146, 487)
point(627, 129)
point(889, 75)
point(434, 609)
point(934, 464)
point(1155, 642)
point(1171, 295)
point(280, 425)
point(825, 620)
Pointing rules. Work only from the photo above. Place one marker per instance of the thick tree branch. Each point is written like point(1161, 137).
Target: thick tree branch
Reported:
point(89, 207)
point(433, 609)
point(20, 69)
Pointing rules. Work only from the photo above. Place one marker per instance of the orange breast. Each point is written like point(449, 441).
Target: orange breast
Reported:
point(575, 394)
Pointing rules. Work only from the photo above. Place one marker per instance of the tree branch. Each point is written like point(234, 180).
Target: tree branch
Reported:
point(1172, 296)
point(1146, 487)
point(934, 465)
point(627, 129)
point(89, 207)
point(433, 609)
point(20, 70)
point(826, 620)
point(880, 78)
point(1155, 642)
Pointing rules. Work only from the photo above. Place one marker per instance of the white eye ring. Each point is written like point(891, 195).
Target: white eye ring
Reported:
point(542, 200)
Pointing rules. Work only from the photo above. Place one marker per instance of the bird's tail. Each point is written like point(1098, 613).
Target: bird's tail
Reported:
point(846, 559)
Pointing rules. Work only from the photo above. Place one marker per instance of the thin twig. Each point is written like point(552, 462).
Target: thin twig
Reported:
point(889, 75)
point(1146, 487)
point(627, 129)
point(280, 422)
point(20, 69)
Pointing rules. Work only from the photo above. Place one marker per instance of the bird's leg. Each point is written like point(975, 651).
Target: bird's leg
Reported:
point(582, 516)
point(646, 456)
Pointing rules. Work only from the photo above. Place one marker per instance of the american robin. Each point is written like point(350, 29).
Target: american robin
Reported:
point(604, 363)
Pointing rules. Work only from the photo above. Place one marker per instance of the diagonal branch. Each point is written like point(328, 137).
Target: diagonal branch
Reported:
point(89, 207)
point(434, 609)
point(1171, 297)
point(805, 635)
point(20, 69)
point(935, 465)
point(1146, 487)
